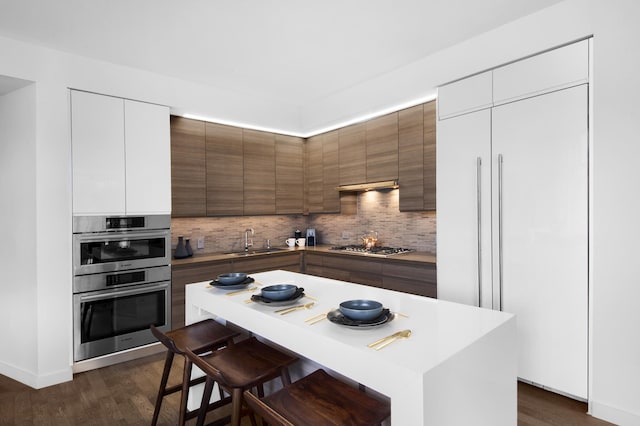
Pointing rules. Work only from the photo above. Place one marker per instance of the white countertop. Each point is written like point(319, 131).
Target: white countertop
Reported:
point(441, 331)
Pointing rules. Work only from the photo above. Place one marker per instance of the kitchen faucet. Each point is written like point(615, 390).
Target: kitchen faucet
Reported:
point(248, 241)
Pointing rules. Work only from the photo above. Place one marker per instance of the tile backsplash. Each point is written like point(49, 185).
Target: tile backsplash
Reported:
point(377, 211)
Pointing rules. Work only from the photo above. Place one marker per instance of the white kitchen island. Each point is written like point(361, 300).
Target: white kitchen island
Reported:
point(457, 368)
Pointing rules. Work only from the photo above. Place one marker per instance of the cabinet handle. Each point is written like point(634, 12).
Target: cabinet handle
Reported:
point(479, 215)
point(500, 262)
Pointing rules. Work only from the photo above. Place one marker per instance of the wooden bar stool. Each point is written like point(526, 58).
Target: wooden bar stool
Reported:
point(200, 337)
point(243, 366)
point(319, 399)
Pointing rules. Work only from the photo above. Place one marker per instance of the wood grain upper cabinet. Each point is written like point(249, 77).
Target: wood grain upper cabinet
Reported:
point(417, 157)
point(289, 173)
point(314, 175)
point(330, 172)
point(353, 154)
point(411, 158)
point(429, 159)
point(259, 172)
point(225, 170)
point(188, 167)
point(382, 148)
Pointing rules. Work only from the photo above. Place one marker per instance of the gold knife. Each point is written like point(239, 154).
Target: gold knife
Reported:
point(294, 308)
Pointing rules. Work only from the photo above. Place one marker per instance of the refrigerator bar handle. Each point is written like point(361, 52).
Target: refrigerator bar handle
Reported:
point(500, 259)
point(479, 214)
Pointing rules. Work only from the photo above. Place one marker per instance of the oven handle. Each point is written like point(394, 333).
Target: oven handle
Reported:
point(124, 292)
point(121, 236)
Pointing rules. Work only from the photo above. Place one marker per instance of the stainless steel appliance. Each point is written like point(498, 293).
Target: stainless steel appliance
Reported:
point(371, 251)
point(122, 282)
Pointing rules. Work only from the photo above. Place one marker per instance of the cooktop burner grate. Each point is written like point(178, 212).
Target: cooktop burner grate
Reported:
point(373, 251)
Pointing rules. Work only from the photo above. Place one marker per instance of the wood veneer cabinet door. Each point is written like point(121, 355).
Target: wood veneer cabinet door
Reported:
point(225, 170)
point(330, 172)
point(382, 148)
point(411, 158)
point(353, 154)
point(430, 155)
point(289, 172)
point(188, 167)
point(314, 173)
point(259, 172)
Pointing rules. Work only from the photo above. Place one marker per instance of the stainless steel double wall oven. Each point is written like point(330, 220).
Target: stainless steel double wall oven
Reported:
point(121, 283)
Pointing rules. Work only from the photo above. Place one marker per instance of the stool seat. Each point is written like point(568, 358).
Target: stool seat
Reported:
point(243, 366)
point(200, 337)
point(319, 399)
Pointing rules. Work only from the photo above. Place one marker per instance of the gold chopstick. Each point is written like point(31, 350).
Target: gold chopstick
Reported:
point(315, 317)
point(233, 293)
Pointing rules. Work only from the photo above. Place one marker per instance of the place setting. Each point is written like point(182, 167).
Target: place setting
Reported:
point(356, 314)
point(233, 281)
point(279, 295)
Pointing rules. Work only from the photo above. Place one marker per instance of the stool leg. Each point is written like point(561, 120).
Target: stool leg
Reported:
point(186, 379)
point(236, 406)
point(206, 396)
point(168, 361)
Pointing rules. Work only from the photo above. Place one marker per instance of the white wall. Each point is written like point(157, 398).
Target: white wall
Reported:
point(615, 369)
point(18, 283)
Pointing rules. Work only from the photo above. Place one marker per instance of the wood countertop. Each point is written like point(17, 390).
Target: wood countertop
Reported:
point(415, 256)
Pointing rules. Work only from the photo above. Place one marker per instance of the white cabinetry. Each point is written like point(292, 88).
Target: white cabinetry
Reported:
point(513, 224)
point(120, 156)
point(471, 94)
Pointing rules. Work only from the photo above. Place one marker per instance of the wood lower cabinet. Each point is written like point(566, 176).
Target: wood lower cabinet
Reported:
point(189, 273)
point(408, 277)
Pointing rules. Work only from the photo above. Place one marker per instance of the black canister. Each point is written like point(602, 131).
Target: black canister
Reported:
point(297, 234)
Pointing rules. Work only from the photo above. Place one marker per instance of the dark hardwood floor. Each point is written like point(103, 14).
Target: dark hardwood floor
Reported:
point(124, 394)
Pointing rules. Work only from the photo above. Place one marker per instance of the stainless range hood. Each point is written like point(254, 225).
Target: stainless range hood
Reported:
point(359, 187)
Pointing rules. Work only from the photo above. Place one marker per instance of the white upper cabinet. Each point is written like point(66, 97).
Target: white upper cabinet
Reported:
point(121, 156)
point(148, 158)
point(557, 69)
point(97, 134)
point(464, 96)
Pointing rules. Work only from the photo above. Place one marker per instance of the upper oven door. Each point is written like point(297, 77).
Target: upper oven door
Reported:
point(117, 251)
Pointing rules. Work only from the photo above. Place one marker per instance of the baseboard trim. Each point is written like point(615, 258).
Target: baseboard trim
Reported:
point(33, 380)
point(613, 414)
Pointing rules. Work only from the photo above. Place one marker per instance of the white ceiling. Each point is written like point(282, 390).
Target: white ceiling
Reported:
point(294, 51)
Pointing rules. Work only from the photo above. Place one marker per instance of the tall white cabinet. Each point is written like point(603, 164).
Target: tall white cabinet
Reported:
point(121, 156)
point(512, 195)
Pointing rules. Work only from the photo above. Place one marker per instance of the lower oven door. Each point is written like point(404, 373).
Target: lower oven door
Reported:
point(108, 321)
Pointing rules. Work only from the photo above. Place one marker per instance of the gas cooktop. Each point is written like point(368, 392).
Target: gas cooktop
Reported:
point(373, 251)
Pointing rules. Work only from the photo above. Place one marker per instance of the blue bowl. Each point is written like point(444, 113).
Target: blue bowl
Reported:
point(279, 291)
point(232, 278)
point(361, 310)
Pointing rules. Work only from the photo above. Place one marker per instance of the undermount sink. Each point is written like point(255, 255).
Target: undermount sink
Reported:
point(256, 251)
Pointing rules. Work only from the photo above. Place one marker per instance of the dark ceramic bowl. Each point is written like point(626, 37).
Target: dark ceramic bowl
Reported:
point(361, 310)
point(279, 291)
point(232, 278)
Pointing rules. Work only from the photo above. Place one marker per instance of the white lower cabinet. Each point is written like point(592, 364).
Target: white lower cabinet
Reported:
point(121, 156)
point(512, 230)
